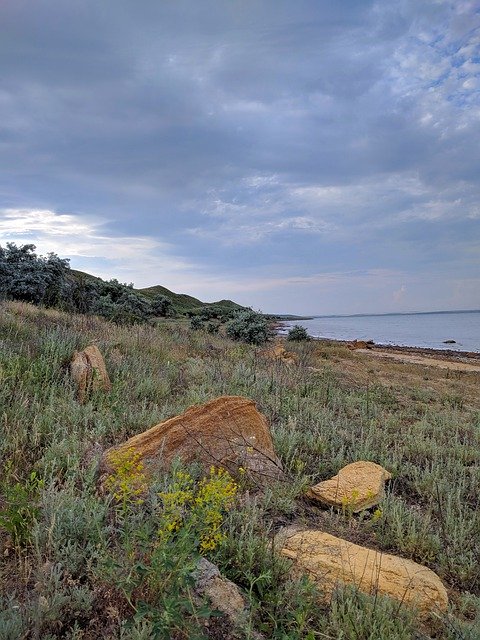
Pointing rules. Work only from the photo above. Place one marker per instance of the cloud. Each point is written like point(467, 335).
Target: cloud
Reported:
point(85, 241)
point(259, 141)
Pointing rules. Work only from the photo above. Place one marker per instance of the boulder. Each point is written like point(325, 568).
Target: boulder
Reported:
point(361, 344)
point(358, 486)
point(279, 353)
point(87, 369)
point(226, 432)
point(332, 562)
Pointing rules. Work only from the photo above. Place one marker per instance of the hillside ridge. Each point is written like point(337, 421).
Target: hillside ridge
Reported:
point(182, 302)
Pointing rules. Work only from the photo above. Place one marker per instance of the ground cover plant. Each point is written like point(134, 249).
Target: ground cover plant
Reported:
point(77, 562)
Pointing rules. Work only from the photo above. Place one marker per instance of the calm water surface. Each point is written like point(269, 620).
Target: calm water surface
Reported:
point(412, 330)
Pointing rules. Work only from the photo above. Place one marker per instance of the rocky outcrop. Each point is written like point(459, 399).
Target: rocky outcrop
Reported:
point(358, 486)
point(226, 432)
point(87, 369)
point(332, 562)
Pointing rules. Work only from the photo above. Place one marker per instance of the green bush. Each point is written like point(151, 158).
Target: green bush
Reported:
point(249, 326)
point(298, 334)
point(196, 323)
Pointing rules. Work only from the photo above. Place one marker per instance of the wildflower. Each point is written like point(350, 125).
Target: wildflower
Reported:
point(128, 481)
point(199, 510)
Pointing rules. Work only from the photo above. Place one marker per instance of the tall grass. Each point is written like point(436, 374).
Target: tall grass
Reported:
point(62, 580)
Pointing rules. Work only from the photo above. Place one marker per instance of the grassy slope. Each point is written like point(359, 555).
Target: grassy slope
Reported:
point(181, 302)
point(334, 408)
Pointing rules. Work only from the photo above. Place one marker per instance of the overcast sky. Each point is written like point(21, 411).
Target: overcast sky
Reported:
point(297, 156)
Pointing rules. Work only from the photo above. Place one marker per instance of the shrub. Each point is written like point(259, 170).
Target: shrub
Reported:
point(162, 306)
point(249, 326)
point(298, 334)
point(196, 323)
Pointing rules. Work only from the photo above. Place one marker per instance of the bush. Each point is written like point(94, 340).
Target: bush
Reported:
point(162, 306)
point(298, 334)
point(196, 323)
point(249, 326)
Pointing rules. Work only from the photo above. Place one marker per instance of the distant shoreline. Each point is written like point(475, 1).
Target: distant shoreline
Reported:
point(446, 353)
point(371, 315)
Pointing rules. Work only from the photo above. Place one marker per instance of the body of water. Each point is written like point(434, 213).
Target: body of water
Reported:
point(411, 330)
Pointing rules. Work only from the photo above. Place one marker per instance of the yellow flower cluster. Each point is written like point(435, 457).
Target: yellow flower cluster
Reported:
point(128, 481)
point(199, 509)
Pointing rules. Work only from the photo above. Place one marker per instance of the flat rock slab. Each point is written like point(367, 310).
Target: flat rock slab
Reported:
point(226, 432)
point(358, 486)
point(333, 562)
point(88, 371)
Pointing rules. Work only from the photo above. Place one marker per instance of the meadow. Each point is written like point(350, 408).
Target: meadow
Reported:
point(76, 563)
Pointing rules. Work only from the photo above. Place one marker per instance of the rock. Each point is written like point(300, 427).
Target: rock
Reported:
point(279, 353)
point(449, 342)
point(223, 594)
point(359, 485)
point(88, 370)
point(226, 432)
point(361, 344)
point(332, 562)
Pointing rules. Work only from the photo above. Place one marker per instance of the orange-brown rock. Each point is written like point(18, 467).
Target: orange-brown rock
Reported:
point(333, 562)
point(278, 352)
point(358, 344)
point(229, 432)
point(88, 370)
point(359, 485)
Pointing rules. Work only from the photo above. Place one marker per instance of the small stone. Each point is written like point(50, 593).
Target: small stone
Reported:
point(358, 486)
point(224, 595)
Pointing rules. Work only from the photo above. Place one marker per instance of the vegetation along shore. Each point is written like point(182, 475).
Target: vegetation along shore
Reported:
point(184, 473)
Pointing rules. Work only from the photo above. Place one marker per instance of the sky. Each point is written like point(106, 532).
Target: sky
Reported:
point(307, 157)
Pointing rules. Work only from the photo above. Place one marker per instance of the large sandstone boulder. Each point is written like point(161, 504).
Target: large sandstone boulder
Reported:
point(89, 373)
point(333, 562)
point(359, 485)
point(226, 432)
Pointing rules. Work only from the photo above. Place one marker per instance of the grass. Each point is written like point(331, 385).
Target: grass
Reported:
point(81, 568)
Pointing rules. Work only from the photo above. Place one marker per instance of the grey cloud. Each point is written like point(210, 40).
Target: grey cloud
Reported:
point(318, 130)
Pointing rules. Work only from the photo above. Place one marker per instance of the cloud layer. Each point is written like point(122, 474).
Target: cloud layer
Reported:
point(309, 157)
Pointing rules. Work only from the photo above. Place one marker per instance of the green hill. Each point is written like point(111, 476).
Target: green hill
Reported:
point(182, 303)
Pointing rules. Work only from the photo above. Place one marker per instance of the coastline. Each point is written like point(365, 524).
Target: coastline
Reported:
point(281, 330)
point(452, 359)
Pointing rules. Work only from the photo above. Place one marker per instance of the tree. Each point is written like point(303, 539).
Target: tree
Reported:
point(30, 278)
